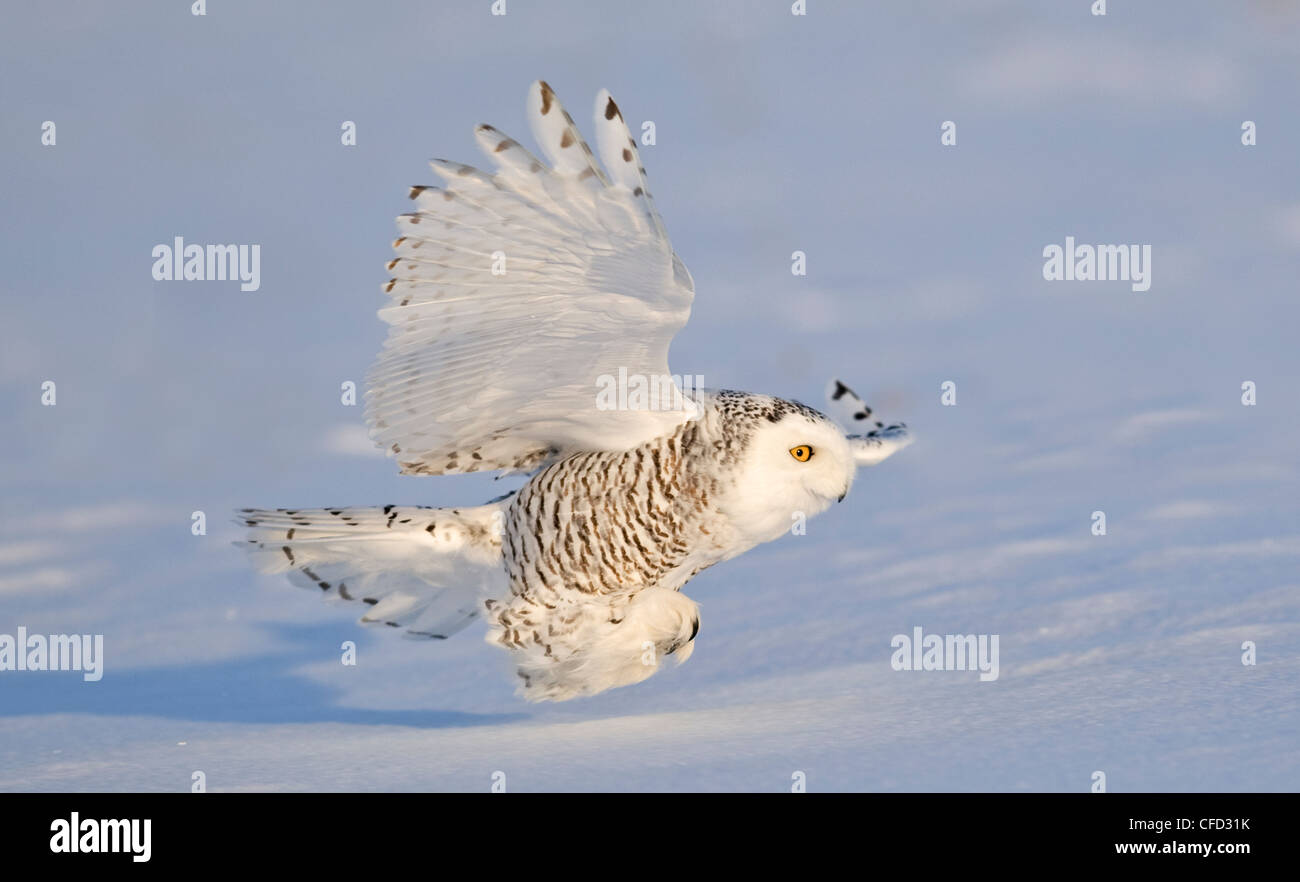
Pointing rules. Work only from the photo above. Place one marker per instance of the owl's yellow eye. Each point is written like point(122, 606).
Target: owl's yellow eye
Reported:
point(803, 452)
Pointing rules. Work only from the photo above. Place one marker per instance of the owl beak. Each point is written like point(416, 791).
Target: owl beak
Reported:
point(842, 495)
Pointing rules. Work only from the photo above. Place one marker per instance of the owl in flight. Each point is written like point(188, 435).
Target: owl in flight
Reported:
point(517, 298)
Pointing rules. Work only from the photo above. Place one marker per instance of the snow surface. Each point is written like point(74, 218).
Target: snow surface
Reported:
point(1119, 653)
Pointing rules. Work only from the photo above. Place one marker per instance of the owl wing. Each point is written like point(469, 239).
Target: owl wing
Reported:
point(518, 299)
point(880, 442)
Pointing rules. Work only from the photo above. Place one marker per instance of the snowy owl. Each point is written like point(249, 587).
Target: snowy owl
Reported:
point(517, 298)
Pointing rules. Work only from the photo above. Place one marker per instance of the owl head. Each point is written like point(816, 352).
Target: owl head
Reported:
point(795, 463)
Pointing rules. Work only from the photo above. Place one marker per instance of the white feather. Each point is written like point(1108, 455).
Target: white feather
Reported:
point(485, 370)
point(426, 570)
point(880, 440)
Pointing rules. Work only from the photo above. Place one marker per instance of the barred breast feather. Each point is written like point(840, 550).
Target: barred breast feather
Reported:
point(601, 537)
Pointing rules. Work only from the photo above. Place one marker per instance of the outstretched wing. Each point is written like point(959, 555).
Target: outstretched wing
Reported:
point(519, 296)
point(880, 441)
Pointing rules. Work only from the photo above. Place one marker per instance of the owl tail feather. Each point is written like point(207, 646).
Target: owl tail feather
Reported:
point(426, 570)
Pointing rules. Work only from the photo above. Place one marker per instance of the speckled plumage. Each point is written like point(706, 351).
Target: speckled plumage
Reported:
point(592, 532)
point(579, 572)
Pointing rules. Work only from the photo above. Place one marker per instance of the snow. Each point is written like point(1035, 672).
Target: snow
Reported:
point(1119, 653)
